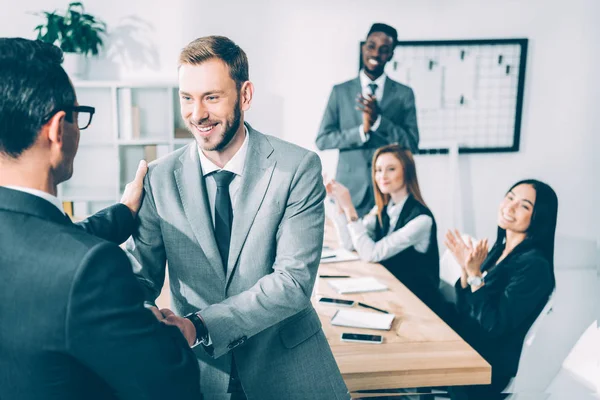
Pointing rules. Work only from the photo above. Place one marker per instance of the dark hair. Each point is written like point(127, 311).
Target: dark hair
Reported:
point(219, 47)
point(542, 228)
point(32, 85)
point(388, 30)
point(410, 175)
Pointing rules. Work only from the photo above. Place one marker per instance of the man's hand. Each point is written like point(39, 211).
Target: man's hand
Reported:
point(132, 196)
point(156, 312)
point(368, 105)
point(185, 325)
point(366, 123)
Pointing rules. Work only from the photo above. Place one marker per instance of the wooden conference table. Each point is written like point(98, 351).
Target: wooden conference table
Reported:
point(419, 351)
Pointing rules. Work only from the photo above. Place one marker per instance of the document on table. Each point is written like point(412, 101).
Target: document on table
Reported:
point(363, 319)
point(337, 255)
point(357, 285)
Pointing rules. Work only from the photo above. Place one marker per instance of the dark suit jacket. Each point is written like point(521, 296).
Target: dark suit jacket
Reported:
point(73, 322)
point(495, 319)
point(340, 130)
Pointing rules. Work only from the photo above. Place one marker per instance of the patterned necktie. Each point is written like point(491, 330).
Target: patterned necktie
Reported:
point(223, 214)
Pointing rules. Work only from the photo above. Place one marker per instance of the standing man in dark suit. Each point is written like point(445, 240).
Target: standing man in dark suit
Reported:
point(366, 113)
point(73, 321)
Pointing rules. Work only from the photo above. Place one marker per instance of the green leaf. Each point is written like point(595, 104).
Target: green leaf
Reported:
point(74, 31)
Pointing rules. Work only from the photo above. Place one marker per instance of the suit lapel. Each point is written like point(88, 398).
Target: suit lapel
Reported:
point(256, 177)
point(389, 95)
point(190, 183)
point(354, 90)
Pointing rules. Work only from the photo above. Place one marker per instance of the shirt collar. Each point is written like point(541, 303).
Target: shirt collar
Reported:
point(394, 209)
point(235, 165)
point(365, 80)
point(46, 196)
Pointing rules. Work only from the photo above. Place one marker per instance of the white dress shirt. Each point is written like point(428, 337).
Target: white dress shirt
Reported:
point(235, 165)
point(55, 201)
point(360, 235)
point(365, 81)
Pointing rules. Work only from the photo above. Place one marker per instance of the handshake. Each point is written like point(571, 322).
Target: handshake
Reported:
point(168, 317)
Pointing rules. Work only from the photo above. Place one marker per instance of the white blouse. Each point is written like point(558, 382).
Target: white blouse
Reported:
point(360, 235)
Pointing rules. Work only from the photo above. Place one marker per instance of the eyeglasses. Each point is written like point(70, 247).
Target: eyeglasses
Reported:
point(82, 114)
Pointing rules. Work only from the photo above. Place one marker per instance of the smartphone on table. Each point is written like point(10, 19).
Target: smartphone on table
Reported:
point(361, 338)
point(336, 302)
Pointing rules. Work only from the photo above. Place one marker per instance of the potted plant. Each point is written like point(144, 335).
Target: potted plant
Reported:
point(79, 35)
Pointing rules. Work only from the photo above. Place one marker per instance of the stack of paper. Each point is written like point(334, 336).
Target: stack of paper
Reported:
point(357, 285)
point(337, 255)
point(361, 319)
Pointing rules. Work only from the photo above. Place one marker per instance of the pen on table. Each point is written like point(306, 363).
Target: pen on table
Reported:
point(334, 276)
point(372, 308)
point(330, 256)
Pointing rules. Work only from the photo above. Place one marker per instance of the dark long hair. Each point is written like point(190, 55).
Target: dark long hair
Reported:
point(410, 175)
point(542, 228)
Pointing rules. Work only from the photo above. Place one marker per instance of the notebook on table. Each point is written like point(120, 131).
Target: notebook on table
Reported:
point(357, 285)
point(363, 319)
point(337, 255)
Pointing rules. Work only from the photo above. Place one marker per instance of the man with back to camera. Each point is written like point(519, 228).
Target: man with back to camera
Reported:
point(366, 113)
point(239, 216)
point(73, 321)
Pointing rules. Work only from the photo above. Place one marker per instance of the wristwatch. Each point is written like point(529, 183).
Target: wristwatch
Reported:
point(475, 281)
point(201, 331)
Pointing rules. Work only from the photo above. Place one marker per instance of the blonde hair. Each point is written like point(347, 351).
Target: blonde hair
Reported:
point(410, 176)
point(221, 48)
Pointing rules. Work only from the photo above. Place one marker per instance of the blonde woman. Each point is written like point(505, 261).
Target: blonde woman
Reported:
point(400, 231)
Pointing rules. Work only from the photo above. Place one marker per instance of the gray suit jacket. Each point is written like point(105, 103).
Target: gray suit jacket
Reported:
point(259, 311)
point(340, 130)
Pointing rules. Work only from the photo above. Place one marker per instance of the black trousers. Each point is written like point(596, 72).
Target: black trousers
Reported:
point(492, 391)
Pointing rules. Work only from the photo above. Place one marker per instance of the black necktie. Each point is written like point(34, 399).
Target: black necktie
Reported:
point(223, 214)
point(223, 219)
point(373, 87)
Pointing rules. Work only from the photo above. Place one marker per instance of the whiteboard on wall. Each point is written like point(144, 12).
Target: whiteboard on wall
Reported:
point(468, 92)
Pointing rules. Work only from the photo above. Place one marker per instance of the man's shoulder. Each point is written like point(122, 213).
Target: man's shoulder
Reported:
point(169, 162)
point(285, 151)
point(400, 87)
point(346, 84)
point(80, 242)
point(58, 247)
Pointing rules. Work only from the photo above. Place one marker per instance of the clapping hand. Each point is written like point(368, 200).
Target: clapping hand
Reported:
point(476, 257)
point(469, 256)
point(370, 108)
point(340, 194)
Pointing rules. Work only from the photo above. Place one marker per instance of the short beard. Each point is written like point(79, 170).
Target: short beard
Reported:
point(232, 126)
point(376, 71)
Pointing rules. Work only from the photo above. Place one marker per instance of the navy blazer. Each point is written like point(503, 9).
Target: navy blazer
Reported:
point(73, 322)
point(495, 319)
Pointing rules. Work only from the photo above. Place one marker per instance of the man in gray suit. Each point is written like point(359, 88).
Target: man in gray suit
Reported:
point(239, 217)
point(366, 113)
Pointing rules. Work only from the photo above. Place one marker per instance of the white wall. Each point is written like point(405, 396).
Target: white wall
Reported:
point(298, 50)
